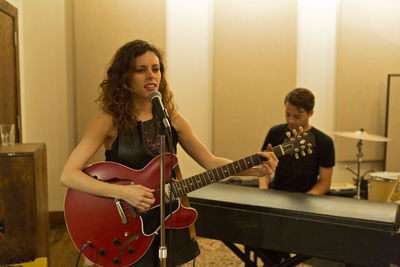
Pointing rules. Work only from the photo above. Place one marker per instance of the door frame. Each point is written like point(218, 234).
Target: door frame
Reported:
point(13, 12)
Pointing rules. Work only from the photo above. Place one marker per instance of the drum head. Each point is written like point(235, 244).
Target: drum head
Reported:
point(384, 176)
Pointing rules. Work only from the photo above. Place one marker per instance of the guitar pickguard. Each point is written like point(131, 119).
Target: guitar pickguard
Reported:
point(151, 218)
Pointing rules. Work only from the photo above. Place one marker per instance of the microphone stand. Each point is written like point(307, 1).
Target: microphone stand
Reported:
point(162, 252)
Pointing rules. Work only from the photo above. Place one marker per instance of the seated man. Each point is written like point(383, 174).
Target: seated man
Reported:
point(310, 174)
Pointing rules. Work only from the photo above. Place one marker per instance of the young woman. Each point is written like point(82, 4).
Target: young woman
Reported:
point(129, 132)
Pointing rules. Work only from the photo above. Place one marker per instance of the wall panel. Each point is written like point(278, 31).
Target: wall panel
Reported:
point(368, 49)
point(254, 68)
point(101, 27)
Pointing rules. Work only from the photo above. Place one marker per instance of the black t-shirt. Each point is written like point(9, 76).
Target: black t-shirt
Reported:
point(300, 175)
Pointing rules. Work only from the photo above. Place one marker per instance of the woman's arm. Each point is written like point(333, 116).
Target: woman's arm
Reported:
point(199, 152)
point(99, 132)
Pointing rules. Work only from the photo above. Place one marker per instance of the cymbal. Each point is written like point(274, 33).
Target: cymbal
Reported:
point(363, 135)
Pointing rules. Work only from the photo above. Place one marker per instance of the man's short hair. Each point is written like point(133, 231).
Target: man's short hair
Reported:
point(301, 98)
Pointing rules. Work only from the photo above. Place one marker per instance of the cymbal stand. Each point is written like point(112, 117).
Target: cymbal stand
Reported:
point(359, 159)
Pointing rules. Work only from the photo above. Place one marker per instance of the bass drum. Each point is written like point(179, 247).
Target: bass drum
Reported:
point(382, 184)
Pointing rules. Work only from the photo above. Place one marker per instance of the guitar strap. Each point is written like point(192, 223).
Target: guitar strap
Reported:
point(184, 198)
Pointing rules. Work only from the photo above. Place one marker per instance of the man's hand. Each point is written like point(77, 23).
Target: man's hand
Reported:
point(268, 167)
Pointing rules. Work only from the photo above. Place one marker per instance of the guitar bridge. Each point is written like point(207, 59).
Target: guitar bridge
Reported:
point(124, 220)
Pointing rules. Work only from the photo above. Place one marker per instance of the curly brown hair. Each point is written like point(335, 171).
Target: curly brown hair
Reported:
point(115, 97)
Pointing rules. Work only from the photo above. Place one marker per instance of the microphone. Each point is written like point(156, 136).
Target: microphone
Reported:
point(155, 98)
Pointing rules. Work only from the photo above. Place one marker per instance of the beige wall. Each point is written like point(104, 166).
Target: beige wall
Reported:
point(316, 56)
point(46, 86)
point(101, 27)
point(254, 67)
point(368, 49)
point(190, 74)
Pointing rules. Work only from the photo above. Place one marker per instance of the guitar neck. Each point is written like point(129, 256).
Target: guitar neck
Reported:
point(195, 182)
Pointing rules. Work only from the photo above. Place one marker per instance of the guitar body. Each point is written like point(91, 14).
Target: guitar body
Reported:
point(120, 237)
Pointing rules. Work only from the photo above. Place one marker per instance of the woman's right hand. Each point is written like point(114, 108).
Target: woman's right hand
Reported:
point(139, 196)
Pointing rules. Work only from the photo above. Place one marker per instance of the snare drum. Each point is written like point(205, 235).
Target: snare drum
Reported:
point(381, 185)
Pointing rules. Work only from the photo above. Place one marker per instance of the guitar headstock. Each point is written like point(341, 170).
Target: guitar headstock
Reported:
point(298, 143)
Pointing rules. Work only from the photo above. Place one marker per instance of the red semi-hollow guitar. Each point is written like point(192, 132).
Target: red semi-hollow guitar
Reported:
point(120, 234)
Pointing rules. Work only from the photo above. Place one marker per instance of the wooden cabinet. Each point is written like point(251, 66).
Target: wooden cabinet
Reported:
point(24, 217)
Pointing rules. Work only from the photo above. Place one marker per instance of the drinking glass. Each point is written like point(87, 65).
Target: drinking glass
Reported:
point(7, 133)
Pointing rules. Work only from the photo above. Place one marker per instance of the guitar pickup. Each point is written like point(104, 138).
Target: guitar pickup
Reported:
point(167, 195)
point(133, 211)
point(131, 208)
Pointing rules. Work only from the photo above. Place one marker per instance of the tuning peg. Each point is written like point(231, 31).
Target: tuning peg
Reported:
point(296, 154)
point(294, 131)
point(309, 148)
point(303, 153)
point(301, 129)
point(288, 134)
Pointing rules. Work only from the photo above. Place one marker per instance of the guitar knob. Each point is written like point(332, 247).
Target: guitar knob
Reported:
point(303, 153)
point(288, 134)
point(309, 151)
point(301, 129)
point(102, 252)
point(116, 241)
point(296, 155)
point(116, 260)
point(294, 131)
point(131, 250)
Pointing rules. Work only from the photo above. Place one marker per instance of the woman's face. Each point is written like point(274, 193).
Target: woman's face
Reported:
point(147, 75)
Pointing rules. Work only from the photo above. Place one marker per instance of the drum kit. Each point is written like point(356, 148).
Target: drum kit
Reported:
point(361, 135)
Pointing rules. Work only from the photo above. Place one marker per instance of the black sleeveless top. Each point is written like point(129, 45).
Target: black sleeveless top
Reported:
point(141, 146)
point(136, 151)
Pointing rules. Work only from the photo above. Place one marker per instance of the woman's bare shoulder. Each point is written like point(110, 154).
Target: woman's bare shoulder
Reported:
point(103, 125)
point(103, 122)
point(105, 117)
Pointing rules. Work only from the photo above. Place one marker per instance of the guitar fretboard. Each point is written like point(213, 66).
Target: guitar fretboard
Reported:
point(195, 182)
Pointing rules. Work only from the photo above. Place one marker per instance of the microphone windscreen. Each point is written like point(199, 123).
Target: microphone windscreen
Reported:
point(153, 94)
